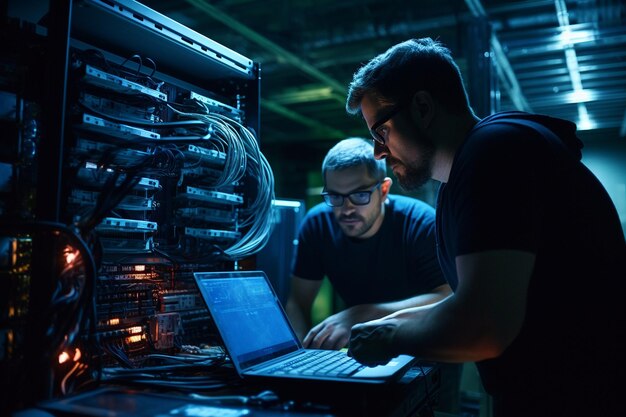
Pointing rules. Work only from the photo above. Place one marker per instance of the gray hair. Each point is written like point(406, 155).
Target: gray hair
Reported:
point(406, 68)
point(353, 152)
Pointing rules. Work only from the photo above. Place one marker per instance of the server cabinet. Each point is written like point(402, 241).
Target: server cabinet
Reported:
point(130, 159)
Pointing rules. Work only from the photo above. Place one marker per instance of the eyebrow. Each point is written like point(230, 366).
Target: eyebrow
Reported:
point(356, 190)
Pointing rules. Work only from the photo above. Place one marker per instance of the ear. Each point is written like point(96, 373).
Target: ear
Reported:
point(423, 108)
point(385, 187)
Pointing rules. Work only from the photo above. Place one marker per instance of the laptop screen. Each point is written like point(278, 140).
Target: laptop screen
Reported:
point(248, 316)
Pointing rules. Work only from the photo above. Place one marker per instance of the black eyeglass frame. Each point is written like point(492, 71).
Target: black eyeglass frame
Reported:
point(326, 196)
point(374, 129)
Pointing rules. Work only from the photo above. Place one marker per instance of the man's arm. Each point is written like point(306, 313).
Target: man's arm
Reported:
point(334, 331)
point(301, 297)
point(478, 322)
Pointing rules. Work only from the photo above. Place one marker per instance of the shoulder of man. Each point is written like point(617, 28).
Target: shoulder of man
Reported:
point(317, 216)
point(558, 131)
point(404, 207)
point(403, 203)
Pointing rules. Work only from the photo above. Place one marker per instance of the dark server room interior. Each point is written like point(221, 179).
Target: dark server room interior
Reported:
point(144, 143)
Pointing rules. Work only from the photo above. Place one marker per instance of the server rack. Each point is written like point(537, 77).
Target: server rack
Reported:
point(129, 160)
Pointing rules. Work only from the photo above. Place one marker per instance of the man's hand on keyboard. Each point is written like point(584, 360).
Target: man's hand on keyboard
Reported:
point(371, 342)
point(334, 332)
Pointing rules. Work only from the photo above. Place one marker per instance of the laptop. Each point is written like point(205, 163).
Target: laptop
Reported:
point(262, 344)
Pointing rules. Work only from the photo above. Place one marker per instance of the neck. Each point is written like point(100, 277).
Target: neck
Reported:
point(450, 135)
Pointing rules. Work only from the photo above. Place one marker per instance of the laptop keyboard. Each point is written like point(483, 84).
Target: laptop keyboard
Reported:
point(319, 363)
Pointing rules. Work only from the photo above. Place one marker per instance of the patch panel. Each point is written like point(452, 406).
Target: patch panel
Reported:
point(103, 79)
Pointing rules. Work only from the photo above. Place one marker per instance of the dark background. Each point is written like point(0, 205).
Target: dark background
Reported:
point(512, 55)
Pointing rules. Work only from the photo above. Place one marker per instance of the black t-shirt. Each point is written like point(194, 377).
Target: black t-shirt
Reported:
point(398, 262)
point(514, 188)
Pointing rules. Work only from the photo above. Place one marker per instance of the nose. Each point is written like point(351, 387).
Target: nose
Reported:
point(347, 206)
point(380, 151)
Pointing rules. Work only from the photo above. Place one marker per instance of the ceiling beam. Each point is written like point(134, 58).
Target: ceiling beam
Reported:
point(282, 54)
point(306, 94)
point(571, 60)
point(507, 76)
point(503, 67)
point(267, 44)
point(325, 132)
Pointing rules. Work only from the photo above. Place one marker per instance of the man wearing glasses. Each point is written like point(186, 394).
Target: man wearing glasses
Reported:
point(377, 250)
point(527, 237)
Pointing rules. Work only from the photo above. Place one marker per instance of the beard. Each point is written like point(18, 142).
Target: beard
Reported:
point(415, 173)
point(361, 221)
point(356, 231)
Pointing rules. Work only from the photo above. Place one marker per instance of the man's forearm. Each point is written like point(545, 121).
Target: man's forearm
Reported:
point(366, 312)
point(383, 309)
point(436, 333)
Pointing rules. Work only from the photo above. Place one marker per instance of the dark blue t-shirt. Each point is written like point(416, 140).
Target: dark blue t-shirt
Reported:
point(398, 262)
point(513, 187)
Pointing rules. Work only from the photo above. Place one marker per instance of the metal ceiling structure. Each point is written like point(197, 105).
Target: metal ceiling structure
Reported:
point(553, 56)
point(564, 58)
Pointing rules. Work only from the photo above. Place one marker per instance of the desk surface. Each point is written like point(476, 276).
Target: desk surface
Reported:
point(404, 398)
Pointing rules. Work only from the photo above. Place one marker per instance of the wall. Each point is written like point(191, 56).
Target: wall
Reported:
point(607, 160)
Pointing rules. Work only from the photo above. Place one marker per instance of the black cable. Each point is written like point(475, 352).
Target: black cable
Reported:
point(139, 63)
point(118, 355)
point(180, 386)
point(85, 302)
point(153, 67)
point(185, 257)
point(112, 193)
point(108, 199)
point(182, 377)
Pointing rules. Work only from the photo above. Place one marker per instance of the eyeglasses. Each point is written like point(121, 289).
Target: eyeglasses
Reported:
point(380, 132)
point(358, 198)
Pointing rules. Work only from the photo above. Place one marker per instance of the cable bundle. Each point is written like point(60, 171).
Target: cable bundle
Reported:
point(182, 372)
point(243, 156)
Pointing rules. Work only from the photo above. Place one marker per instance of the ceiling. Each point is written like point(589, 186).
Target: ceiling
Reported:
point(565, 58)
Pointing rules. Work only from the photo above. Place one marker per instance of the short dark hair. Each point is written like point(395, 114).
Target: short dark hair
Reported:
point(353, 152)
point(406, 68)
